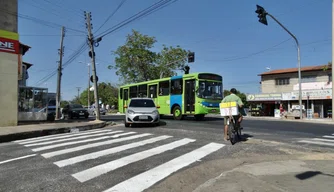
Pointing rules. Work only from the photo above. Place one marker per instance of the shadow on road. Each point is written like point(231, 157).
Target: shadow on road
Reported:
point(309, 174)
point(162, 123)
point(245, 137)
point(75, 120)
point(190, 118)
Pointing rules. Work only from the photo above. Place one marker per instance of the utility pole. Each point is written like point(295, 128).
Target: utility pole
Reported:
point(88, 85)
point(78, 88)
point(262, 19)
point(91, 54)
point(61, 54)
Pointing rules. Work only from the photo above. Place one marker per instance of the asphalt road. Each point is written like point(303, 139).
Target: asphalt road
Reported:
point(175, 156)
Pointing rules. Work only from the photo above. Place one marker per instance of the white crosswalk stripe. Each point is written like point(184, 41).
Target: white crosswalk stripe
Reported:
point(95, 155)
point(148, 178)
point(82, 141)
point(327, 140)
point(91, 155)
point(64, 135)
point(73, 138)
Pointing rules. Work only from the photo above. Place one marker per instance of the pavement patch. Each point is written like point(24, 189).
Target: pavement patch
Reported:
point(274, 168)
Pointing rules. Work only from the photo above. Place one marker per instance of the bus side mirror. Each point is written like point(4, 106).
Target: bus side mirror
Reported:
point(125, 106)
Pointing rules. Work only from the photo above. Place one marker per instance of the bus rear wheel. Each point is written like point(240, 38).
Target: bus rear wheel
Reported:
point(177, 113)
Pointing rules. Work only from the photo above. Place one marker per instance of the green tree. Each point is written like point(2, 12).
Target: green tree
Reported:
point(241, 95)
point(108, 94)
point(136, 62)
point(326, 67)
point(84, 97)
point(63, 103)
point(75, 100)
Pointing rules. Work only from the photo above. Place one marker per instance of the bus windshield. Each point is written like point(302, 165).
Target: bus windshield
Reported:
point(210, 90)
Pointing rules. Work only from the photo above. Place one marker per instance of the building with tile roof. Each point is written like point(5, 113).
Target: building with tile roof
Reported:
point(280, 87)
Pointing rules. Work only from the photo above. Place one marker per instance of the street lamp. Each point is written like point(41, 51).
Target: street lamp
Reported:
point(262, 19)
point(88, 91)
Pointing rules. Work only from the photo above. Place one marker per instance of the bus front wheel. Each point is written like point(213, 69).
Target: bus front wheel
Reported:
point(177, 113)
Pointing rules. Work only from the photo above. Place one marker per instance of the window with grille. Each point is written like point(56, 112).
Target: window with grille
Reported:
point(283, 81)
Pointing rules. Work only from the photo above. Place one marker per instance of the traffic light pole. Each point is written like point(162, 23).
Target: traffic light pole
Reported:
point(262, 19)
point(299, 68)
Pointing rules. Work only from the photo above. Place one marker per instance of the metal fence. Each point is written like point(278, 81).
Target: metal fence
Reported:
point(32, 103)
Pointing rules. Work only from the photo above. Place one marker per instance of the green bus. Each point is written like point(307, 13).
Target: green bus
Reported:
point(194, 94)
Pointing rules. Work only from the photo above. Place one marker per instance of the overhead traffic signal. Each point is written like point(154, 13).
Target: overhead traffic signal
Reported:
point(186, 69)
point(261, 14)
point(191, 57)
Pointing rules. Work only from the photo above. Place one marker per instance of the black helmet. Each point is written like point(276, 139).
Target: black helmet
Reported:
point(233, 90)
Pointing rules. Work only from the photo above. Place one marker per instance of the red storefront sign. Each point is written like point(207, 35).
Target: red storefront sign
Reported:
point(9, 45)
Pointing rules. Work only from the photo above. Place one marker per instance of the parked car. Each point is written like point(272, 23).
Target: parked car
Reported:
point(141, 110)
point(51, 112)
point(75, 110)
point(102, 111)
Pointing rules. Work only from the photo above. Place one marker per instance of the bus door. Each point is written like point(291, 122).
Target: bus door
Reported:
point(189, 96)
point(153, 92)
point(125, 98)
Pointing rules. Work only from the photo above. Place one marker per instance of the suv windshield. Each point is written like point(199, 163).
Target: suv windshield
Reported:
point(141, 103)
point(210, 90)
point(76, 106)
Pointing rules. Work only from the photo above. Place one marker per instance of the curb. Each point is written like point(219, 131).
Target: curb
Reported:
point(291, 120)
point(51, 131)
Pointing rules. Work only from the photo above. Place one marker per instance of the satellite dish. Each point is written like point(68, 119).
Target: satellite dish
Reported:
point(268, 68)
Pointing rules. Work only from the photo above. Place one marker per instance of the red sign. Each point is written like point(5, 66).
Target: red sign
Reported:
point(9, 45)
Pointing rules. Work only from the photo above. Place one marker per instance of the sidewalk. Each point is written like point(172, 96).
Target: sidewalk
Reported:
point(28, 131)
point(305, 120)
point(275, 176)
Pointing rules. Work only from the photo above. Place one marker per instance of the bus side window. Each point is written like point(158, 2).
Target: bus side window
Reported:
point(164, 88)
point(176, 87)
point(126, 94)
point(133, 91)
point(153, 91)
point(142, 92)
point(121, 93)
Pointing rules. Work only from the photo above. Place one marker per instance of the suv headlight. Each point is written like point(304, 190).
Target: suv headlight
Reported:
point(156, 112)
point(131, 112)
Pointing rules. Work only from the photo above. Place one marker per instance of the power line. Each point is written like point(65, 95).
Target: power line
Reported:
point(250, 55)
point(112, 14)
point(49, 35)
point(50, 10)
point(79, 13)
point(40, 21)
point(81, 49)
point(151, 9)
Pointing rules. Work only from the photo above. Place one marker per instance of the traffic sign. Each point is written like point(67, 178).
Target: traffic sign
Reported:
point(91, 79)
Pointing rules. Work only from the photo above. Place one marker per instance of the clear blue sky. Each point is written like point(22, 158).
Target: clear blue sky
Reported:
point(225, 35)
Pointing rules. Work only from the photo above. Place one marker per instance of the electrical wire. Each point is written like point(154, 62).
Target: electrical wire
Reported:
point(111, 15)
point(252, 54)
point(79, 13)
point(39, 21)
point(80, 50)
point(52, 11)
point(151, 9)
